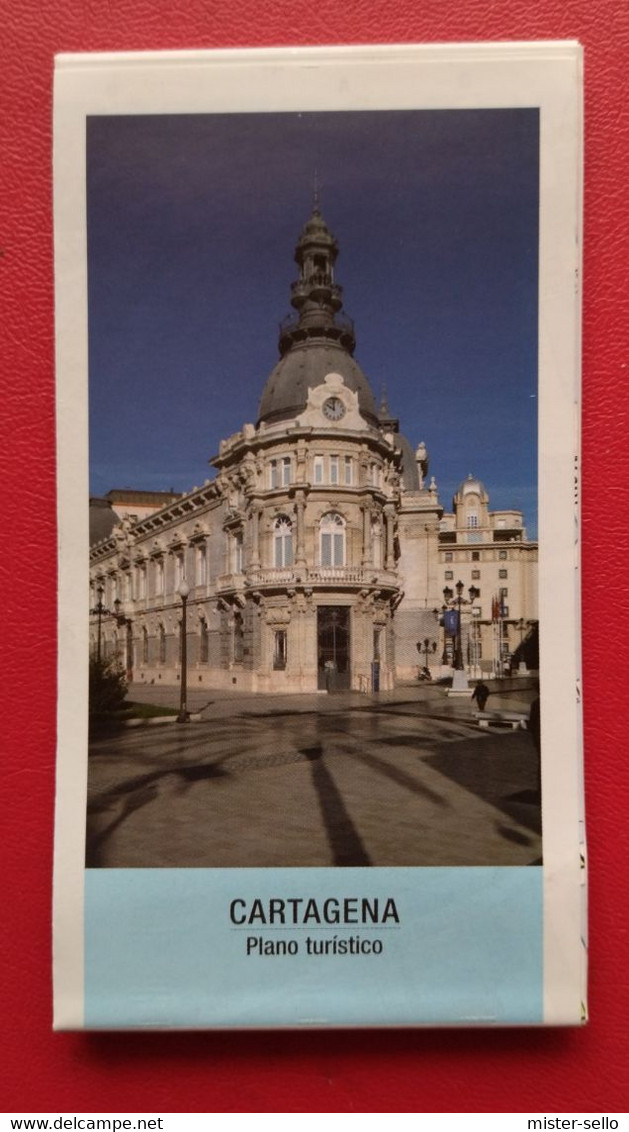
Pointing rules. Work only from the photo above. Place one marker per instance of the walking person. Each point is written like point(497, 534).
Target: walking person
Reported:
point(480, 694)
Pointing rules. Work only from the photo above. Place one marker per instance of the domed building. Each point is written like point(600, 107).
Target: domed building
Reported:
point(312, 557)
point(490, 556)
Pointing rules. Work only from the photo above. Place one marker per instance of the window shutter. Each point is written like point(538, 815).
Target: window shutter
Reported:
point(326, 549)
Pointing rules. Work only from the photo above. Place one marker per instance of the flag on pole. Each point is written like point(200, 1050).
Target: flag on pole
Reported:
point(451, 622)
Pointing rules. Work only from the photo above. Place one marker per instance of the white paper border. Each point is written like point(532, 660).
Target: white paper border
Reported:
point(544, 74)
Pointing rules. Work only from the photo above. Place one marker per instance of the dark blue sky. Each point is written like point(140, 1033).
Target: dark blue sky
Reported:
point(192, 223)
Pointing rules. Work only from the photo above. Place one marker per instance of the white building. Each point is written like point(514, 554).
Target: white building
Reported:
point(489, 551)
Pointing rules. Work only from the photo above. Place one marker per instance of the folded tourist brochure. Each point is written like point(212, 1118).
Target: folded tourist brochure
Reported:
point(318, 373)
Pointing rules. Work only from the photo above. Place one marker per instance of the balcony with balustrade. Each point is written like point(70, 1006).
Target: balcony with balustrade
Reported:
point(317, 577)
point(230, 583)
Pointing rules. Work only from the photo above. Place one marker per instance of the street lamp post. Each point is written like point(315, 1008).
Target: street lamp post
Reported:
point(458, 652)
point(100, 610)
point(428, 647)
point(184, 590)
point(459, 682)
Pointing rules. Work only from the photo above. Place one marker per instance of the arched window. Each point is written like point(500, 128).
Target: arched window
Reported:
point(282, 542)
point(204, 649)
point(162, 644)
point(332, 539)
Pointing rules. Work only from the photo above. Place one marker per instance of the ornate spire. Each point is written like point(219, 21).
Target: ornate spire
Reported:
point(316, 297)
point(387, 420)
point(384, 404)
point(316, 195)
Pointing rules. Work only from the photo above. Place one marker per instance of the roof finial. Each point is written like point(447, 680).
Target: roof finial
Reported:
point(384, 404)
point(316, 193)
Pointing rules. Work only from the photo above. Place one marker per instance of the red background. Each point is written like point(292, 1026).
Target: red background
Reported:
point(370, 1072)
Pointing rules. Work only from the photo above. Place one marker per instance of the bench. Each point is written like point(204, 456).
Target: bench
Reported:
point(502, 719)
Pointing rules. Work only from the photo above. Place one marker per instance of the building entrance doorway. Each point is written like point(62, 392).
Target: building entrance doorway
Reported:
point(333, 648)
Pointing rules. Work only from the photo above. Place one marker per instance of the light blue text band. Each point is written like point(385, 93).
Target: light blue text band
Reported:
point(160, 949)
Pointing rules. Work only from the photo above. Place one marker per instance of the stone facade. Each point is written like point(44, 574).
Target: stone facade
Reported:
point(489, 550)
point(314, 557)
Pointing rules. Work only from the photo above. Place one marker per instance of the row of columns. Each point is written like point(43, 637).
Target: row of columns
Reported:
point(146, 565)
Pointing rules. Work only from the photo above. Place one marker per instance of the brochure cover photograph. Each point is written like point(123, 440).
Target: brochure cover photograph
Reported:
point(314, 771)
point(346, 629)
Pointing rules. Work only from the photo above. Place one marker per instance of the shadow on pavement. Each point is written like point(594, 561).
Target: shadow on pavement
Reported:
point(490, 770)
point(500, 770)
point(399, 776)
point(133, 795)
point(343, 838)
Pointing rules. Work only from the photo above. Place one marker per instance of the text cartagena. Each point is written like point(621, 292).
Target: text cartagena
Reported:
point(298, 910)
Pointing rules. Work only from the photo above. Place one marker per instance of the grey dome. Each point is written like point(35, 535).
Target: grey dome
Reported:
point(306, 366)
point(102, 518)
point(410, 474)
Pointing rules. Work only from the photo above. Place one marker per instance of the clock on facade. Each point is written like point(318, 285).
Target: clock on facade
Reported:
point(334, 409)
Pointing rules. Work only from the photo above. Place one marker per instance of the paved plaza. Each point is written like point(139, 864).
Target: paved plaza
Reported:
point(403, 778)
